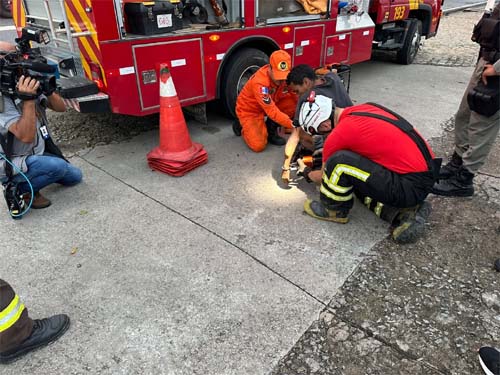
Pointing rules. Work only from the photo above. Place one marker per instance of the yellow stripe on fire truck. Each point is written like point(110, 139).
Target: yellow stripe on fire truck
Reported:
point(18, 14)
point(89, 45)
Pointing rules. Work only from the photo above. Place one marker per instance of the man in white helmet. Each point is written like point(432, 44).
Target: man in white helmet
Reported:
point(378, 156)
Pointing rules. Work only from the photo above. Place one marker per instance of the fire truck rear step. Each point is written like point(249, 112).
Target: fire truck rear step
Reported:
point(98, 103)
point(83, 95)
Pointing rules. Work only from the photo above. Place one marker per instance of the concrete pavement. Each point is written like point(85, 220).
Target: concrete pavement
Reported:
point(217, 272)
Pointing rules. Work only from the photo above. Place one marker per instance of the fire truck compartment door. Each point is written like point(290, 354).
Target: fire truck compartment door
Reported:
point(186, 67)
point(308, 45)
point(338, 48)
point(354, 21)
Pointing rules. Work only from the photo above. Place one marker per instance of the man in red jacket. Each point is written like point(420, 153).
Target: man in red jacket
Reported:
point(378, 156)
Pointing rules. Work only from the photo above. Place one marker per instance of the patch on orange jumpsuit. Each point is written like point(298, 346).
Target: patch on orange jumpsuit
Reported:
point(265, 95)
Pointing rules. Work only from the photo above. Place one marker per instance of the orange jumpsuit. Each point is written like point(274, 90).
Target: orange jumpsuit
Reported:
point(261, 97)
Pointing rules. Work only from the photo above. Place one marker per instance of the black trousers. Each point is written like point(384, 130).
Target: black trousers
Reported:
point(384, 192)
point(15, 324)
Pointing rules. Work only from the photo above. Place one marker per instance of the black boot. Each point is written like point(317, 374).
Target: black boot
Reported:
point(409, 225)
point(44, 332)
point(272, 133)
point(459, 185)
point(236, 128)
point(451, 168)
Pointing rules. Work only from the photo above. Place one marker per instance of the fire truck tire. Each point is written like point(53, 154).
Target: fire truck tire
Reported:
point(408, 52)
point(242, 66)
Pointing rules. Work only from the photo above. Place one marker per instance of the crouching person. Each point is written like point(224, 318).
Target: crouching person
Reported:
point(378, 156)
point(26, 140)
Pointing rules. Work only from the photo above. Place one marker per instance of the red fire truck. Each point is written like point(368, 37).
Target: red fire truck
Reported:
point(211, 46)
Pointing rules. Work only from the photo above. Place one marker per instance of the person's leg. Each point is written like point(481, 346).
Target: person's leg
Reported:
point(462, 120)
point(482, 133)
point(343, 171)
point(391, 198)
point(254, 132)
point(44, 170)
point(18, 333)
point(463, 115)
point(272, 133)
point(15, 323)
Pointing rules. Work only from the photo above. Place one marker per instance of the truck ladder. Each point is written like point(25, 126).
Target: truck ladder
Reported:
point(54, 18)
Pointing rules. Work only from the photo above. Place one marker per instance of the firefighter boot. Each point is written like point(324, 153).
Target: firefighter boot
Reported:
point(319, 211)
point(459, 185)
point(44, 332)
point(272, 133)
point(410, 223)
point(236, 128)
point(452, 167)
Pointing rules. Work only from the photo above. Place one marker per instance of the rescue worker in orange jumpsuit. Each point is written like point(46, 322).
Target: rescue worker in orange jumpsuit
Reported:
point(266, 95)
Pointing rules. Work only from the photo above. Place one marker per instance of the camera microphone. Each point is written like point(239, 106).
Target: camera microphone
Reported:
point(38, 67)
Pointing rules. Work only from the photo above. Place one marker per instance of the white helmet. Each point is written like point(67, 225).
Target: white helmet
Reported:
point(315, 110)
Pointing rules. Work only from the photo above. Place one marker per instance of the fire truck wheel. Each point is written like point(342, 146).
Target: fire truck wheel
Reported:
point(242, 66)
point(408, 52)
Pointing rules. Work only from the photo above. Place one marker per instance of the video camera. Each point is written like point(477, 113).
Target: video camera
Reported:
point(14, 199)
point(29, 62)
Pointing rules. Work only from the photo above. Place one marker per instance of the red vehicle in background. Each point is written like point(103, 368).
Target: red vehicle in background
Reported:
point(211, 46)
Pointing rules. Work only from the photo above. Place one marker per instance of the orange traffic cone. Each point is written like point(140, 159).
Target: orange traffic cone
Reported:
point(176, 154)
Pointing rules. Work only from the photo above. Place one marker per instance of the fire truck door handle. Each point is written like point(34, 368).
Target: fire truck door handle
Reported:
point(299, 51)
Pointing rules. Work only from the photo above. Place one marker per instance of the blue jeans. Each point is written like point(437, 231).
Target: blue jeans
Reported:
point(46, 169)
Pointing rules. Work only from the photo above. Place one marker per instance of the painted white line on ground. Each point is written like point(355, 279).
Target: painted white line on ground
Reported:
point(7, 28)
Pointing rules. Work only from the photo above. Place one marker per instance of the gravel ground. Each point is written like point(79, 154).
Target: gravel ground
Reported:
point(452, 45)
point(74, 131)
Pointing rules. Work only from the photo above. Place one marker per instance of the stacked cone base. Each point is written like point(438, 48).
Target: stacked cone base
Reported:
point(177, 163)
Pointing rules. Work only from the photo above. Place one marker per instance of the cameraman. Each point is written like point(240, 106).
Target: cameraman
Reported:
point(26, 120)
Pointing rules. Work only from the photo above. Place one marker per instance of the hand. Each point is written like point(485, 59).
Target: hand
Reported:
point(302, 166)
point(50, 91)
point(303, 170)
point(488, 71)
point(285, 176)
point(28, 86)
